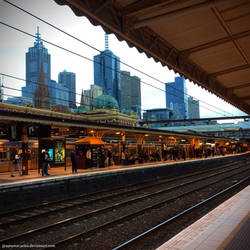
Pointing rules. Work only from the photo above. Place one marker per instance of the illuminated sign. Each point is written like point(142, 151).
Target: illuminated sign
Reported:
point(59, 151)
point(183, 140)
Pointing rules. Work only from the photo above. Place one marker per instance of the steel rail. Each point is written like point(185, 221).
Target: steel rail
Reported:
point(147, 184)
point(124, 218)
point(130, 191)
point(146, 233)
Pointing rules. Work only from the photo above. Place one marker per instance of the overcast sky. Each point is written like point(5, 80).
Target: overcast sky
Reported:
point(14, 45)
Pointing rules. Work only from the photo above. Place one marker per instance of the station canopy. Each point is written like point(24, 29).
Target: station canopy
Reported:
point(90, 140)
point(206, 41)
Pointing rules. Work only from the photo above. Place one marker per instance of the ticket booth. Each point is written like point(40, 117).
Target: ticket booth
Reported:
point(82, 146)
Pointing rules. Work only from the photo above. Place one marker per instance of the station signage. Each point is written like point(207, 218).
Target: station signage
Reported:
point(183, 140)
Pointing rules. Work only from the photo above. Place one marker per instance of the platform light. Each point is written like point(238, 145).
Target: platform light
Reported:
point(146, 134)
point(117, 133)
point(92, 131)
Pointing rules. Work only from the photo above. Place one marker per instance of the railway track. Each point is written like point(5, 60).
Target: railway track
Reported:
point(85, 217)
point(46, 208)
point(146, 237)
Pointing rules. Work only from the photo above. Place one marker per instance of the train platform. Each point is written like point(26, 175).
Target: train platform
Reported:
point(226, 227)
point(62, 172)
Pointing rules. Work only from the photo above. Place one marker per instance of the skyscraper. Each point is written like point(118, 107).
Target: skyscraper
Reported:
point(59, 95)
point(176, 98)
point(68, 80)
point(130, 93)
point(193, 108)
point(36, 57)
point(107, 72)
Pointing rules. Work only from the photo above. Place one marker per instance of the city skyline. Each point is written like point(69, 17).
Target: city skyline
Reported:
point(61, 60)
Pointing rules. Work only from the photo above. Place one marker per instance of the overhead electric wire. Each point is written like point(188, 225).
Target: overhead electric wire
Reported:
point(94, 48)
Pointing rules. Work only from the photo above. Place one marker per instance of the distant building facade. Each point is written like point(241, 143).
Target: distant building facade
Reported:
point(157, 115)
point(90, 95)
point(176, 98)
point(59, 95)
point(19, 100)
point(36, 57)
point(68, 80)
point(193, 108)
point(107, 72)
point(130, 93)
point(106, 110)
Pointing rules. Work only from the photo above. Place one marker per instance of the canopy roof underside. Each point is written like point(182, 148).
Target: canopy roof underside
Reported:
point(206, 41)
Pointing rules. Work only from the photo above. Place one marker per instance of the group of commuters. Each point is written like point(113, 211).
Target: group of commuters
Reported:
point(95, 157)
point(99, 157)
point(45, 161)
point(104, 157)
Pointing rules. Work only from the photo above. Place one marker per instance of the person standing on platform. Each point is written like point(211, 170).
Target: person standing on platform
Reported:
point(45, 163)
point(123, 157)
point(88, 158)
point(102, 157)
point(110, 158)
point(16, 165)
point(73, 161)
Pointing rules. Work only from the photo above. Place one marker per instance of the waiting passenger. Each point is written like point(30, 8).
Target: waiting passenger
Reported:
point(184, 154)
point(16, 165)
point(45, 162)
point(73, 161)
point(101, 157)
point(88, 158)
point(110, 157)
point(123, 157)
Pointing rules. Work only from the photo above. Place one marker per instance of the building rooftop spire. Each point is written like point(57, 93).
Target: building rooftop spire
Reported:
point(106, 41)
point(41, 95)
point(82, 99)
point(38, 41)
